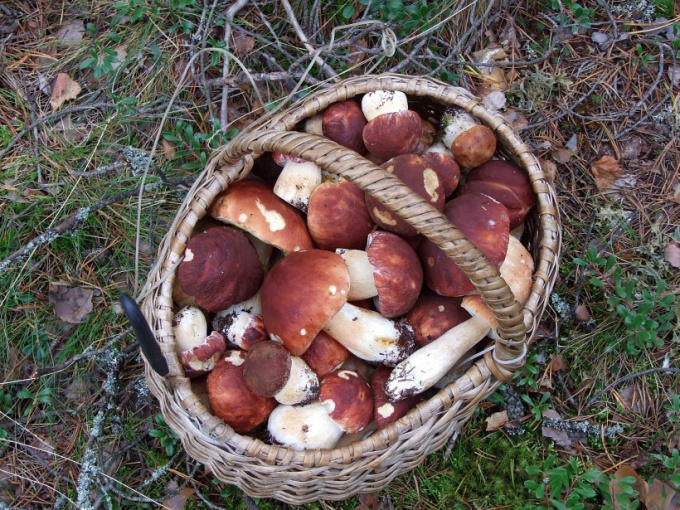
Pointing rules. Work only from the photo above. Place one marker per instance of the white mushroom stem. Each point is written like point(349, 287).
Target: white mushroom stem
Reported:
point(314, 125)
point(439, 147)
point(302, 385)
point(190, 328)
point(430, 363)
point(361, 280)
point(303, 427)
point(422, 369)
point(296, 183)
point(252, 305)
point(455, 124)
point(241, 328)
point(264, 251)
point(379, 102)
point(370, 336)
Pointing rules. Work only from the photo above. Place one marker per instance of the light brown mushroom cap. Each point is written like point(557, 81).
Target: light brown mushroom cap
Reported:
point(300, 293)
point(252, 206)
point(475, 146)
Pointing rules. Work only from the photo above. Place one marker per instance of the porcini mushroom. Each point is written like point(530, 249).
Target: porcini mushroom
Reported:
point(343, 122)
point(430, 363)
point(220, 268)
point(229, 396)
point(201, 359)
point(471, 143)
point(252, 206)
point(325, 354)
point(296, 183)
point(433, 315)
point(348, 399)
point(271, 371)
point(385, 411)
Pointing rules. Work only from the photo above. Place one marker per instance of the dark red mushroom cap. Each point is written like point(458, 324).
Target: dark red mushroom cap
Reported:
point(417, 173)
point(325, 354)
point(220, 268)
point(485, 223)
point(385, 411)
point(348, 399)
point(267, 368)
point(252, 206)
point(344, 122)
point(447, 168)
point(231, 400)
point(507, 183)
point(398, 275)
point(391, 134)
point(300, 293)
point(337, 216)
point(433, 315)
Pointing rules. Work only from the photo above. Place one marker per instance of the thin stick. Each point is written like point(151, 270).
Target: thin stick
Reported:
point(671, 370)
point(229, 18)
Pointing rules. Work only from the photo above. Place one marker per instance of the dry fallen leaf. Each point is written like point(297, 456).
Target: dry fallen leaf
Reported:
point(243, 44)
point(71, 33)
point(515, 118)
point(560, 437)
point(640, 485)
point(63, 89)
point(71, 304)
point(661, 496)
point(549, 168)
point(582, 313)
point(179, 500)
point(496, 421)
point(605, 171)
point(672, 254)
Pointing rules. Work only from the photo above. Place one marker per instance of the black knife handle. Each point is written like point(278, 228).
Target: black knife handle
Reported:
point(145, 337)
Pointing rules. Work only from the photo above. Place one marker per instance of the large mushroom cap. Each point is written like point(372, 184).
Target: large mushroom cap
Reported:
point(433, 315)
point(505, 182)
point(391, 134)
point(343, 122)
point(447, 168)
point(417, 173)
point(220, 268)
point(300, 293)
point(348, 399)
point(337, 216)
point(485, 223)
point(231, 400)
point(397, 273)
point(252, 206)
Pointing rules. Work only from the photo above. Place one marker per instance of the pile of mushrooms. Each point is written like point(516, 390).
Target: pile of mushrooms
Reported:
point(311, 314)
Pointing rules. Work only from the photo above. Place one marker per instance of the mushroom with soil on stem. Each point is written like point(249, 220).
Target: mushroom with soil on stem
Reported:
point(470, 142)
point(198, 352)
point(429, 364)
point(271, 371)
point(307, 291)
point(388, 270)
point(296, 183)
point(345, 405)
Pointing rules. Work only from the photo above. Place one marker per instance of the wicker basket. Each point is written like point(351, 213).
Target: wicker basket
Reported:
point(368, 465)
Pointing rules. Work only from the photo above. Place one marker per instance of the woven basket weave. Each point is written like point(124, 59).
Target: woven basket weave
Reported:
point(368, 465)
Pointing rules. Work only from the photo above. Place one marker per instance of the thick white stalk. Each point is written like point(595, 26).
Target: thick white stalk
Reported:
point(361, 280)
point(370, 336)
point(422, 369)
point(302, 385)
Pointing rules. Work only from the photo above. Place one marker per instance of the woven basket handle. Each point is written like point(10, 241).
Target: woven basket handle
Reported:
point(400, 199)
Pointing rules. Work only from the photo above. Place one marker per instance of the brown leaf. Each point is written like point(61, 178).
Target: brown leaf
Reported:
point(515, 118)
point(672, 254)
point(369, 501)
point(640, 485)
point(582, 313)
point(561, 437)
point(549, 168)
point(563, 155)
point(71, 304)
point(661, 496)
point(63, 89)
point(605, 171)
point(71, 33)
point(179, 500)
point(496, 421)
point(243, 44)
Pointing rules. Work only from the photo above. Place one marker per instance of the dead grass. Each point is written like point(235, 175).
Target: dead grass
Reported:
point(575, 101)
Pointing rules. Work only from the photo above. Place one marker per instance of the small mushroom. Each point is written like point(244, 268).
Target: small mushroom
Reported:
point(303, 427)
point(505, 182)
point(429, 364)
point(201, 359)
point(471, 143)
point(271, 371)
point(229, 396)
point(240, 328)
point(391, 134)
point(296, 183)
point(190, 327)
point(385, 411)
point(337, 216)
point(343, 122)
point(220, 268)
point(252, 206)
point(485, 223)
point(325, 354)
point(348, 399)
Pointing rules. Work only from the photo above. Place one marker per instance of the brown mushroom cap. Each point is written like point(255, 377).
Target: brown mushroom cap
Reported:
point(447, 168)
point(391, 134)
point(300, 293)
point(231, 400)
point(417, 174)
point(474, 146)
point(252, 206)
point(507, 183)
point(485, 223)
point(426, 137)
point(325, 354)
point(397, 273)
point(220, 268)
point(385, 411)
point(267, 368)
point(348, 399)
point(343, 122)
point(337, 216)
point(201, 359)
point(433, 315)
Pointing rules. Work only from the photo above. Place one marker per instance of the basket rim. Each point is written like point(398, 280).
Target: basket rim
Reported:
point(477, 382)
